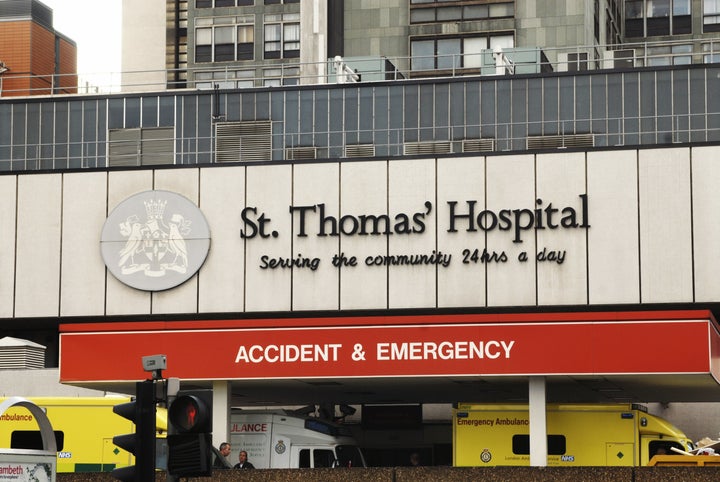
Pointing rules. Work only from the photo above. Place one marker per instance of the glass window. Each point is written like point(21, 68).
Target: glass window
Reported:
point(448, 54)
point(458, 12)
point(422, 53)
point(282, 36)
point(222, 3)
point(472, 51)
point(658, 8)
point(453, 53)
point(711, 15)
point(647, 18)
point(448, 14)
point(424, 15)
point(224, 39)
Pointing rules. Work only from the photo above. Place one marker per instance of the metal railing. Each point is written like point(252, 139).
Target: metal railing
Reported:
point(248, 75)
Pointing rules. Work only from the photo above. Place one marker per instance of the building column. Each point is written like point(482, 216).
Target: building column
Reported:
point(221, 412)
point(538, 422)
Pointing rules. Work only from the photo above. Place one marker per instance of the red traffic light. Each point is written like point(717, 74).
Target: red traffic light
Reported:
point(190, 413)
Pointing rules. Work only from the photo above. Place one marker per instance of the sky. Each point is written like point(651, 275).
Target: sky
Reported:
point(95, 26)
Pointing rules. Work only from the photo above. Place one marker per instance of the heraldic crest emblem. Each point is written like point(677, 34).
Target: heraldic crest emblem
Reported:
point(154, 236)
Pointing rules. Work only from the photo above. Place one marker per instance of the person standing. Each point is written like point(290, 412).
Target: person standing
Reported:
point(243, 463)
point(224, 450)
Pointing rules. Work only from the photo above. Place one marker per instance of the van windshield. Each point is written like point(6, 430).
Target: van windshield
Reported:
point(349, 456)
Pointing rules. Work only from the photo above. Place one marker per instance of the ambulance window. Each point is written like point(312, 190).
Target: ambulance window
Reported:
point(323, 458)
point(556, 444)
point(349, 456)
point(658, 447)
point(305, 459)
point(32, 439)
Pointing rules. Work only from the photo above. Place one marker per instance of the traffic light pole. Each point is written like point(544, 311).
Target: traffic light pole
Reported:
point(171, 390)
point(142, 413)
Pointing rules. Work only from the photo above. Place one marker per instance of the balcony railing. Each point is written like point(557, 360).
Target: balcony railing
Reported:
point(525, 60)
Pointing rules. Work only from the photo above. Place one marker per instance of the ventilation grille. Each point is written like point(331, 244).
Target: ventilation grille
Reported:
point(243, 141)
point(20, 354)
point(435, 147)
point(299, 153)
point(478, 145)
point(360, 150)
point(554, 142)
point(141, 147)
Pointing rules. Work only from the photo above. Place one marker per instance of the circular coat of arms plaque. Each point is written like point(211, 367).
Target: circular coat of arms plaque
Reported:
point(155, 240)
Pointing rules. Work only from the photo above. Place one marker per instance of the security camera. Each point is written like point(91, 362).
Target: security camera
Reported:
point(152, 363)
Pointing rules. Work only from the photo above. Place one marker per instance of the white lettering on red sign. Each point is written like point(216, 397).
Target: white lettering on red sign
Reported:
point(446, 350)
point(288, 353)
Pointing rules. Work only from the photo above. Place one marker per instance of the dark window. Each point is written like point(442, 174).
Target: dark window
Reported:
point(32, 440)
point(304, 456)
point(521, 444)
point(661, 447)
point(203, 53)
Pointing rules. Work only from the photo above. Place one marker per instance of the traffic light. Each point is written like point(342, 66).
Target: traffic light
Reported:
point(190, 438)
point(141, 412)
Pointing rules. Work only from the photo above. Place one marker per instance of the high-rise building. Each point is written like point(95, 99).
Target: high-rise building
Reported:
point(242, 43)
point(37, 60)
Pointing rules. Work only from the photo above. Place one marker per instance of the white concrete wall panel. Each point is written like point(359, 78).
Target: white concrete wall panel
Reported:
point(315, 283)
point(706, 228)
point(183, 298)
point(82, 287)
point(613, 238)
point(651, 239)
point(363, 190)
point(561, 253)
point(462, 283)
point(37, 280)
point(222, 277)
point(269, 190)
point(665, 225)
point(8, 198)
point(412, 184)
point(122, 299)
point(510, 184)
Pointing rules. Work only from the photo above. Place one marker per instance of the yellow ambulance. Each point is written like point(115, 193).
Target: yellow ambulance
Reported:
point(84, 428)
point(577, 435)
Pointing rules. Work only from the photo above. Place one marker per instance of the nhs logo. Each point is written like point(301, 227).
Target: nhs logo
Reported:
point(567, 458)
point(64, 455)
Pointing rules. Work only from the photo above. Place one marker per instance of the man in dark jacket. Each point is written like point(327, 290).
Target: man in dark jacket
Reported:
point(243, 464)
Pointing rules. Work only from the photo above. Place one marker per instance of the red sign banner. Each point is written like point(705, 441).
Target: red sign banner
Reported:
point(403, 350)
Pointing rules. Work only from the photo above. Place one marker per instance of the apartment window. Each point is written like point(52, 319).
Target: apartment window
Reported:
point(650, 18)
point(429, 11)
point(711, 15)
point(711, 52)
point(282, 36)
point(669, 55)
point(224, 39)
point(222, 3)
point(454, 52)
point(225, 79)
point(281, 75)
